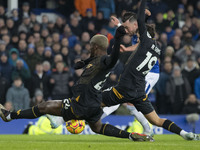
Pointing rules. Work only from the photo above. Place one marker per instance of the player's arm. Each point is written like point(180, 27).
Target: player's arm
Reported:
point(141, 18)
point(128, 49)
point(111, 60)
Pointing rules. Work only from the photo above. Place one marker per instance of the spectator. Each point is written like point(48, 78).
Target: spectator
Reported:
point(59, 25)
point(65, 55)
point(48, 41)
point(111, 28)
point(56, 37)
point(100, 21)
point(191, 72)
point(91, 29)
point(180, 15)
point(11, 26)
point(61, 82)
point(197, 10)
point(56, 48)
point(22, 48)
point(18, 95)
point(45, 20)
point(64, 42)
point(25, 25)
point(176, 43)
point(82, 6)
point(14, 40)
point(170, 32)
point(76, 14)
point(33, 18)
point(4, 85)
point(161, 24)
point(38, 98)
point(25, 12)
point(191, 105)
point(14, 56)
point(38, 39)
point(57, 58)
point(5, 68)
point(44, 34)
point(36, 27)
point(40, 80)
point(185, 53)
point(51, 26)
point(15, 17)
point(161, 102)
point(88, 18)
point(106, 6)
point(22, 72)
point(47, 68)
point(48, 55)
point(32, 58)
point(70, 36)
point(40, 50)
point(66, 7)
point(76, 26)
point(105, 32)
point(85, 38)
point(177, 90)
point(2, 12)
point(2, 46)
point(6, 38)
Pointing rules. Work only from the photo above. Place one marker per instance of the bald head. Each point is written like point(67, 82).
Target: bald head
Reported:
point(99, 40)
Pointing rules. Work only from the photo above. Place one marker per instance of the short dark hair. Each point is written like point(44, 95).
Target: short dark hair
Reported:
point(131, 16)
point(151, 29)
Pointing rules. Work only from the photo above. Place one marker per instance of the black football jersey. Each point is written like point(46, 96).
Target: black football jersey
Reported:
point(133, 78)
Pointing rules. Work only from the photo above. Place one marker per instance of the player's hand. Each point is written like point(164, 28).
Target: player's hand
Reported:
point(120, 32)
point(147, 12)
point(122, 48)
point(114, 20)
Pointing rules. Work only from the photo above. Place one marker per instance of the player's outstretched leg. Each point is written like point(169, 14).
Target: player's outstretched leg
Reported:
point(170, 126)
point(109, 130)
point(48, 107)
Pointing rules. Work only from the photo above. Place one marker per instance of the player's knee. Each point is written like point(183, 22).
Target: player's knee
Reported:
point(44, 106)
point(96, 127)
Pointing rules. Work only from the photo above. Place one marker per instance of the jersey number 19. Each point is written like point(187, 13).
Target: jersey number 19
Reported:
point(149, 60)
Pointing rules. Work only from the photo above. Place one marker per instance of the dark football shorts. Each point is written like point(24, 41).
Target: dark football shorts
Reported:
point(113, 97)
point(72, 110)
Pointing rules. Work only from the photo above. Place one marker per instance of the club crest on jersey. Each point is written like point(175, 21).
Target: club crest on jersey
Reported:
point(89, 66)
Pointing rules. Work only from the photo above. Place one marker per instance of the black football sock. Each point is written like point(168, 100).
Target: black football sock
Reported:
point(26, 114)
point(110, 130)
point(171, 126)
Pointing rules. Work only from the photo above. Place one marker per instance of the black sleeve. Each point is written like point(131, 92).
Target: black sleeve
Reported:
point(111, 60)
point(141, 18)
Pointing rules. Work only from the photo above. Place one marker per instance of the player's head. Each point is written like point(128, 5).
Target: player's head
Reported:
point(99, 45)
point(129, 20)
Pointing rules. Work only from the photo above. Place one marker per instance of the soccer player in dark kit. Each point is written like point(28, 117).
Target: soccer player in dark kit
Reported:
point(131, 87)
point(87, 96)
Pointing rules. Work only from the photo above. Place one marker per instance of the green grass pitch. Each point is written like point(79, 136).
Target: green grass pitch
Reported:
point(92, 142)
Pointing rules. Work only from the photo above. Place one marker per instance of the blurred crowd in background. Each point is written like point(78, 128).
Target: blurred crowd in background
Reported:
point(37, 57)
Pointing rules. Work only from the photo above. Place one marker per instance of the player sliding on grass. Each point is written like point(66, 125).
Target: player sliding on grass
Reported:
point(131, 87)
point(87, 96)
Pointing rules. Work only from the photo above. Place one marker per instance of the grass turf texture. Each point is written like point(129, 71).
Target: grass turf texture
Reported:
point(92, 142)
